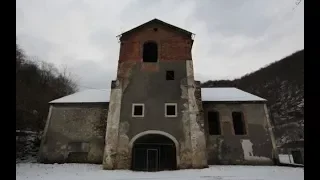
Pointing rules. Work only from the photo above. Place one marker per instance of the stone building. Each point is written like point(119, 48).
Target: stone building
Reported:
point(156, 116)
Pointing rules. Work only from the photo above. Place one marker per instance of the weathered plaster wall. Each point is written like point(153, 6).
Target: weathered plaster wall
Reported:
point(153, 90)
point(74, 133)
point(197, 134)
point(112, 129)
point(253, 148)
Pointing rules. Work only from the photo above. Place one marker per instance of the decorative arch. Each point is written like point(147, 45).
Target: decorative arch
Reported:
point(131, 143)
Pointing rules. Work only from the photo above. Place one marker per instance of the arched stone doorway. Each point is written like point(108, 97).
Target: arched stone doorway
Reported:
point(153, 152)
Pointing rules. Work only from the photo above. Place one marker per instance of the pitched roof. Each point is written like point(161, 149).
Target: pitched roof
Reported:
point(227, 94)
point(159, 22)
point(208, 94)
point(86, 96)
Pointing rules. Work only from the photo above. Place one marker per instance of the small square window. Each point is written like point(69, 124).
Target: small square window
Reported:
point(170, 75)
point(170, 110)
point(137, 110)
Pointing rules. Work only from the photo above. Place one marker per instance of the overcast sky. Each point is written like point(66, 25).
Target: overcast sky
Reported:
point(233, 37)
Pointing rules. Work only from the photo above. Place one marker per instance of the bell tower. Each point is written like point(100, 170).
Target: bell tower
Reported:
point(155, 110)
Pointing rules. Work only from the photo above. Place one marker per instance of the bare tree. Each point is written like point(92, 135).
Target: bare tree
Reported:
point(37, 83)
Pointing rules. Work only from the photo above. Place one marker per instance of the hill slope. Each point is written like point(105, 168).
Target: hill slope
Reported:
point(282, 84)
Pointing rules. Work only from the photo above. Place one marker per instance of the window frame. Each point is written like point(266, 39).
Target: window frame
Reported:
point(165, 110)
point(133, 108)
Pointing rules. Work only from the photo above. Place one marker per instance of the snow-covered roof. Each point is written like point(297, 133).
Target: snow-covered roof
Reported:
point(86, 96)
point(208, 94)
point(227, 94)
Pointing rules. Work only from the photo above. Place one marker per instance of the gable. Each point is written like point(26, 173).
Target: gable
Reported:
point(154, 25)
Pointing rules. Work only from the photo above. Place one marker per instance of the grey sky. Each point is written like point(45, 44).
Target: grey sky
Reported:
point(233, 37)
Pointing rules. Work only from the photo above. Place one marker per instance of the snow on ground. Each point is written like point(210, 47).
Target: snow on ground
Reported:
point(34, 171)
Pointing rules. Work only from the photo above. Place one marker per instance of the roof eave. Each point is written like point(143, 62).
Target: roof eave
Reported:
point(249, 101)
point(155, 20)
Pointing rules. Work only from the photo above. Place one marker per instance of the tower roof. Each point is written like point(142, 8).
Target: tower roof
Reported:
point(157, 21)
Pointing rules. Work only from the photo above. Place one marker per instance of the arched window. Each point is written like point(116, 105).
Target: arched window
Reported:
point(150, 52)
point(238, 123)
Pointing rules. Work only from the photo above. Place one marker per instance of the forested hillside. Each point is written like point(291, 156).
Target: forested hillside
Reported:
point(37, 83)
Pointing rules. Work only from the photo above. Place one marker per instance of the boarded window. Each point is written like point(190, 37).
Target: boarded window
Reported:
point(214, 123)
point(77, 157)
point(137, 110)
point(238, 123)
point(150, 52)
point(170, 75)
point(170, 110)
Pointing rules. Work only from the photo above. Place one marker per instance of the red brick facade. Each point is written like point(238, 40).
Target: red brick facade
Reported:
point(172, 44)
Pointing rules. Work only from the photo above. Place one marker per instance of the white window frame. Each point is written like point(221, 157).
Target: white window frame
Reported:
point(171, 104)
point(137, 104)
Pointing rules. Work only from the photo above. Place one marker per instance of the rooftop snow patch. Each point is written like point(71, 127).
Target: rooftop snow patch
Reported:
point(86, 96)
point(229, 94)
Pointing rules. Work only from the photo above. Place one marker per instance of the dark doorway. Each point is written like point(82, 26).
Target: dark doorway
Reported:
point(214, 123)
point(150, 52)
point(297, 158)
point(238, 123)
point(153, 152)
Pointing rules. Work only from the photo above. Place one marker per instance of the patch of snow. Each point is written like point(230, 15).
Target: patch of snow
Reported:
point(86, 96)
point(95, 172)
point(248, 152)
point(286, 158)
point(26, 132)
point(227, 94)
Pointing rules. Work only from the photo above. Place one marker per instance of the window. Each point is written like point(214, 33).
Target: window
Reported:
point(170, 110)
point(214, 123)
point(238, 123)
point(150, 52)
point(137, 110)
point(170, 75)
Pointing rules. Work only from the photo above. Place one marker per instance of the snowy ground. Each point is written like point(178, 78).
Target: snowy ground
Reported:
point(33, 171)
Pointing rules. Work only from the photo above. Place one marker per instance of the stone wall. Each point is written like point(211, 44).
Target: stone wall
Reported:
point(74, 133)
point(255, 147)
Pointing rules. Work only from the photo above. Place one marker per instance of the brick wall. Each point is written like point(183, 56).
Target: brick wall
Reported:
point(172, 44)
